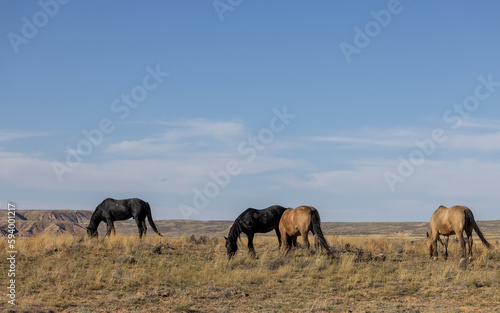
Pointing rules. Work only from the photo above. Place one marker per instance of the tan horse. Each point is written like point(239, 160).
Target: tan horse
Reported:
point(299, 222)
point(448, 221)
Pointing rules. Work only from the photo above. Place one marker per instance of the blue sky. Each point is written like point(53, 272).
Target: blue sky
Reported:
point(369, 111)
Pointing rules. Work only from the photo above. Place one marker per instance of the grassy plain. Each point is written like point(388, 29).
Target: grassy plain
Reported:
point(374, 273)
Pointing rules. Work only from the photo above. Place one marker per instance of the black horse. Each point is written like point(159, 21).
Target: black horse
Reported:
point(253, 221)
point(111, 210)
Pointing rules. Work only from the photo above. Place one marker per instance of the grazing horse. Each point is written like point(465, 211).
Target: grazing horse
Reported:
point(253, 221)
point(301, 221)
point(448, 221)
point(111, 210)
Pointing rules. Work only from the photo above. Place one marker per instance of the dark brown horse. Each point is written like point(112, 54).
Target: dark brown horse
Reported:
point(299, 222)
point(253, 221)
point(448, 221)
point(111, 210)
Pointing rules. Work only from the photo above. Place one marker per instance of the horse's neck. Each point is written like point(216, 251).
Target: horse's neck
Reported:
point(95, 220)
point(235, 231)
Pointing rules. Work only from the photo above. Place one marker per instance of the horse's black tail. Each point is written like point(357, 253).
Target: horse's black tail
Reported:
point(150, 220)
point(469, 219)
point(319, 233)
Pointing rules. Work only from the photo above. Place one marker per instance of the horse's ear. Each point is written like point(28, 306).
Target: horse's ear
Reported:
point(225, 238)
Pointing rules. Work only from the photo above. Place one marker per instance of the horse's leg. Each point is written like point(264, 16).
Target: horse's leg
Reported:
point(468, 232)
point(278, 234)
point(250, 244)
point(284, 243)
point(140, 227)
point(144, 227)
point(317, 245)
point(461, 240)
point(445, 244)
point(291, 242)
point(284, 240)
point(435, 245)
point(111, 228)
point(305, 237)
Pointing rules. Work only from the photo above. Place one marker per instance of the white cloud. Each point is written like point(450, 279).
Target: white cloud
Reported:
point(180, 136)
point(369, 137)
point(475, 135)
point(171, 164)
point(493, 124)
point(484, 142)
point(8, 135)
point(144, 147)
point(346, 181)
point(455, 179)
point(218, 130)
point(26, 170)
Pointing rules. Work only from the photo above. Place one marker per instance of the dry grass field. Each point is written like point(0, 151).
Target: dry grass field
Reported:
point(67, 273)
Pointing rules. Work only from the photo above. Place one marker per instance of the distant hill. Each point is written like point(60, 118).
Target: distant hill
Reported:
point(31, 222)
point(53, 222)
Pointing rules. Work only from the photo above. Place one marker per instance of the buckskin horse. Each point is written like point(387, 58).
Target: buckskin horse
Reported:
point(454, 220)
point(253, 221)
point(301, 221)
point(111, 210)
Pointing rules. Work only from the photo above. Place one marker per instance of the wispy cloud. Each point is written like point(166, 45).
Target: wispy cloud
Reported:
point(481, 123)
point(485, 142)
point(218, 130)
point(144, 147)
point(193, 127)
point(181, 135)
point(450, 180)
point(369, 138)
point(359, 176)
point(475, 135)
point(8, 135)
point(175, 160)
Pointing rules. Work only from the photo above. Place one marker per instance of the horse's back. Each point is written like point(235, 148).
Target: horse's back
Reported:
point(124, 209)
point(458, 209)
point(452, 212)
point(457, 215)
point(260, 221)
point(276, 209)
point(448, 220)
point(298, 219)
point(305, 211)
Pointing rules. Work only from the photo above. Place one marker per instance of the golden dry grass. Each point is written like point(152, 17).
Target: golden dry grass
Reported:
point(124, 274)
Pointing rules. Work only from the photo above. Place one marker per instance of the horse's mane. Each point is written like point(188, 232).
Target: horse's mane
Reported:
point(96, 218)
point(235, 231)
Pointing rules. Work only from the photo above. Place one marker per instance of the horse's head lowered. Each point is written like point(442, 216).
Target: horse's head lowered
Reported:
point(231, 246)
point(91, 232)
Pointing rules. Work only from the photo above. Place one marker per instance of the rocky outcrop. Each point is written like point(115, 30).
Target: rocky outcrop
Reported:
point(52, 222)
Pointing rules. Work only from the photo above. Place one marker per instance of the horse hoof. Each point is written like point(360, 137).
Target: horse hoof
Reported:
point(435, 258)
